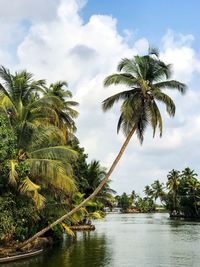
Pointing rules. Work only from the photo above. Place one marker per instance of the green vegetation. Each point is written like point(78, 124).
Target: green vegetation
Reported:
point(183, 196)
point(43, 169)
point(134, 203)
point(48, 166)
point(180, 196)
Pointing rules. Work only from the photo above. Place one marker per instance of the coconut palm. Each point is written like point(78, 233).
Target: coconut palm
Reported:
point(193, 187)
point(33, 121)
point(158, 190)
point(173, 184)
point(95, 175)
point(66, 112)
point(144, 78)
point(148, 191)
point(187, 173)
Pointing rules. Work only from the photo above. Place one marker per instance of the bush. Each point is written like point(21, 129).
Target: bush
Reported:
point(18, 218)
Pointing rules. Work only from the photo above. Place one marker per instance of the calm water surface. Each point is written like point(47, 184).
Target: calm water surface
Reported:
point(130, 240)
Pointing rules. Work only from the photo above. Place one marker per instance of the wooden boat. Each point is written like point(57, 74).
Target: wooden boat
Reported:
point(20, 256)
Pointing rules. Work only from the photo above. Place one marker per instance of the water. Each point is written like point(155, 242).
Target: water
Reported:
point(129, 240)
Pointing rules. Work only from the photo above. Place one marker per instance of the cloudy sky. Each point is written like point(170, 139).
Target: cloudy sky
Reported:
point(82, 41)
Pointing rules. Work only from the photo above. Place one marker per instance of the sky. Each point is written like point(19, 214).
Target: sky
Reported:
point(82, 42)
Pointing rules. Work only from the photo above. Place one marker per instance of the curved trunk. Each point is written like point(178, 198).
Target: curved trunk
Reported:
point(96, 191)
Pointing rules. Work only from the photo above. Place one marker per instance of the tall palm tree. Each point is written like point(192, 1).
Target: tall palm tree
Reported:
point(173, 184)
point(146, 77)
point(33, 121)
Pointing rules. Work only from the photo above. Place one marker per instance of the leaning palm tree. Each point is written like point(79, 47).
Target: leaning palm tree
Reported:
point(144, 78)
point(33, 121)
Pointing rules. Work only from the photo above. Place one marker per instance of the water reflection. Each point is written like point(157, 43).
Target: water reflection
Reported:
point(90, 249)
point(132, 240)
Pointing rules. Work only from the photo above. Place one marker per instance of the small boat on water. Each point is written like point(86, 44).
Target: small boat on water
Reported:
point(20, 256)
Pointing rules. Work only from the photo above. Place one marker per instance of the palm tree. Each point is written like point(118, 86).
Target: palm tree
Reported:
point(133, 197)
point(33, 121)
point(158, 190)
point(187, 173)
point(95, 175)
point(66, 112)
point(146, 77)
point(193, 186)
point(173, 184)
point(148, 191)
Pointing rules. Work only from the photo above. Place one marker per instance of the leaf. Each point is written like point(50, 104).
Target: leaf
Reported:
point(39, 200)
point(13, 175)
point(67, 229)
point(28, 186)
point(54, 172)
point(56, 152)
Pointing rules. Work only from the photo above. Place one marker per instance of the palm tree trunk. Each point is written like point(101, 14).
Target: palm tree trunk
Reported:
point(96, 191)
point(175, 202)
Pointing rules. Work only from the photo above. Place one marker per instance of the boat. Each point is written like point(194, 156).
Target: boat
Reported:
point(20, 256)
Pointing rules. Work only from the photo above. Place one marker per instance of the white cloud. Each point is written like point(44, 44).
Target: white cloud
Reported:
point(27, 9)
point(59, 45)
point(177, 50)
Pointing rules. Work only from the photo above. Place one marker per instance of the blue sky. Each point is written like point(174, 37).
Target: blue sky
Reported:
point(63, 40)
point(150, 18)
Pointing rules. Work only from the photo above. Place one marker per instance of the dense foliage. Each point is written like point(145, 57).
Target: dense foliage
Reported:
point(180, 196)
point(43, 170)
point(134, 203)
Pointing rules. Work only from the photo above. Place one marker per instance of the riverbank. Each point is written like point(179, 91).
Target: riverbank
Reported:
point(40, 244)
point(143, 235)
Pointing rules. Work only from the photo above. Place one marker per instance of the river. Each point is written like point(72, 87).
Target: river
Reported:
point(127, 240)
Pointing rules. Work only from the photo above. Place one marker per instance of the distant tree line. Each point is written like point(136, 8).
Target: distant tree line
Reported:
point(180, 195)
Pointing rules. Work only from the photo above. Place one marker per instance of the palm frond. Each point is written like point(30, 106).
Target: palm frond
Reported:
point(7, 104)
point(53, 172)
point(13, 175)
point(110, 101)
point(120, 78)
point(28, 186)
point(64, 153)
point(43, 135)
point(158, 117)
point(169, 103)
point(3, 90)
point(6, 76)
point(172, 84)
point(128, 66)
point(39, 200)
point(142, 123)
